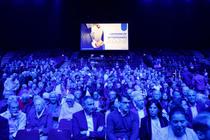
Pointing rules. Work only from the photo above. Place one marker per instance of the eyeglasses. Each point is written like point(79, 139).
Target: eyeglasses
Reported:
point(126, 102)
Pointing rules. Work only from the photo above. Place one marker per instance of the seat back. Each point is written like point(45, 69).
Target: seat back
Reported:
point(57, 134)
point(65, 124)
point(27, 135)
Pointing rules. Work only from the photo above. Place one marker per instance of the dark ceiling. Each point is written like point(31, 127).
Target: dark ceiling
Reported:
point(38, 24)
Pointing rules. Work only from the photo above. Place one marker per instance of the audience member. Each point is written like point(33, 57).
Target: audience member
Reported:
point(122, 123)
point(15, 117)
point(88, 124)
point(153, 122)
point(177, 128)
point(201, 125)
point(39, 118)
point(69, 107)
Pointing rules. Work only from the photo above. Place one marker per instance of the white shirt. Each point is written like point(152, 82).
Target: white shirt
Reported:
point(96, 104)
point(39, 115)
point(155, 126)
point(194, 111)
point(89, 119)
point(141, 115)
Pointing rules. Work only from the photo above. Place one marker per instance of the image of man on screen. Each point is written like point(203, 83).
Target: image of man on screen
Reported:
point(96, 33)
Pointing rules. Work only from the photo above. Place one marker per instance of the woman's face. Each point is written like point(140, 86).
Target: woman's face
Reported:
point(153, 110)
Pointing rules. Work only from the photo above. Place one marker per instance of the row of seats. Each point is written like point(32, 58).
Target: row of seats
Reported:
point(64, 132)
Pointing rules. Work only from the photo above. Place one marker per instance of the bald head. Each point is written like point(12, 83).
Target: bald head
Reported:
point(191, 96)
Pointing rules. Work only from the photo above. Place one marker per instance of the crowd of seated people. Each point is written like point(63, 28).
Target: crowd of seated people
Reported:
point(115, 101)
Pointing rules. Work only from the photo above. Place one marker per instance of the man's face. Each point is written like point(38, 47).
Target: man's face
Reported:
point(125, 105)
point(191, 96)
point(178, 124)
point(156, 95)
point(89, 106)
point(39, 106)
point(203, 135)
point(14, 108)
point(96, 95)
point(109, 84)
point(118, 85)
point(40, 85)
point(176, 96)
point(70, 102)
point(185, 90)
point(112, 95)
point(129, 92)
point(77, 94)
point(53, 99)
point(165, 96)
point(139, 101)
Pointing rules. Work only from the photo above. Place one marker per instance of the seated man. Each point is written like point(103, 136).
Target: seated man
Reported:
point(177, 129)
point(88, 124)
point(195, 106)
point(122, 123)
point(139, 105)
point(39, 118)
point(15, 117)
point(201, 125)
point(11, 85)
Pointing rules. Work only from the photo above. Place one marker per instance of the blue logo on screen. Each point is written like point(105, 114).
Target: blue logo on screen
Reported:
point(124, 26)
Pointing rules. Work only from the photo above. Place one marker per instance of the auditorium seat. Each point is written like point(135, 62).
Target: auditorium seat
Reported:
point(66, 125)
point(57, 134)
point(27, 135)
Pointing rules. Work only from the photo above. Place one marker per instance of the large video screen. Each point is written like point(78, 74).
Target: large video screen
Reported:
point(104, 36)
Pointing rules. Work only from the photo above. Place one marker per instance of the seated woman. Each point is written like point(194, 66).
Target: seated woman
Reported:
point(39, 118)
point(151, 124)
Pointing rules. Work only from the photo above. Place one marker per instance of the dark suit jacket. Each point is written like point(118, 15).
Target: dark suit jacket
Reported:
point(146, 131)
point(4, 129)
point(122, 127)
point(80, 124)
point(200, 108)
point(45, 121)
